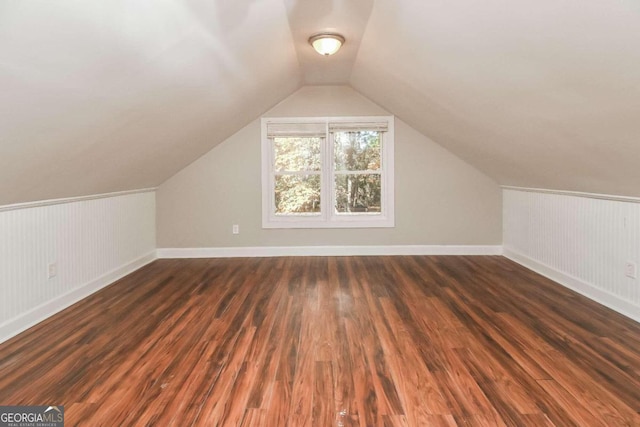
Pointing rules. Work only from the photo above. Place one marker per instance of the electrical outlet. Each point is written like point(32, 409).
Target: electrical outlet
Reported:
point(631, 269)
point(52, 270)
point(235, 229)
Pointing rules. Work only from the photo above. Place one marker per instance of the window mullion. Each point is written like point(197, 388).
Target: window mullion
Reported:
point(326, 177)
point(297, 173)
point(365, 172)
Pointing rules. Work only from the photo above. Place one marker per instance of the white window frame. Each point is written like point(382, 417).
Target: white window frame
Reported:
point(327, 217)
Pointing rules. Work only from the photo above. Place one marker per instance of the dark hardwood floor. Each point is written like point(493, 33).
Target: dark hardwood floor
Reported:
point(337, 341)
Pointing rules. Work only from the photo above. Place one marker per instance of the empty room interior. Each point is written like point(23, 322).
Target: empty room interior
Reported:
point(320, 213)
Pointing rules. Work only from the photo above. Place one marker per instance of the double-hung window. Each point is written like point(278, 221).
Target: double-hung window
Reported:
point(327, 172)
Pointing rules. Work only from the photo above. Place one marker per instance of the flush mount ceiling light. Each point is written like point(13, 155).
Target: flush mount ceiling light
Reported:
point(326, 43)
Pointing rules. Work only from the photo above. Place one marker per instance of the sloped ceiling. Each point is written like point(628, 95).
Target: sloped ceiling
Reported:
point(539, 94)
point(106, 96)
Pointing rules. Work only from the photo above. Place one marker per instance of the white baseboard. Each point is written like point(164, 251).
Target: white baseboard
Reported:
point(274, 251)
point(26, 320)
point(589, 290)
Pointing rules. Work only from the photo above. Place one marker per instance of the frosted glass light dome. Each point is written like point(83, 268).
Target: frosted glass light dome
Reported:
point(326, 44)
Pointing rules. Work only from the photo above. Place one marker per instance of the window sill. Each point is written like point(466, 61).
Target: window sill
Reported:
point(342, 223)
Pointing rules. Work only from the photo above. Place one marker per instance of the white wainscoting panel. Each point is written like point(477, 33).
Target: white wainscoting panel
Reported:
point(579, 241)
point(93, 242)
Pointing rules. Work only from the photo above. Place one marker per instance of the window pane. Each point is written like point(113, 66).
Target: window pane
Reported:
point(358, 193)
point(297, 154)
point(297, 194)
point(357, 151)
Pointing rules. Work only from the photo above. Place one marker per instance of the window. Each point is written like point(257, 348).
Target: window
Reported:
point(327, 172)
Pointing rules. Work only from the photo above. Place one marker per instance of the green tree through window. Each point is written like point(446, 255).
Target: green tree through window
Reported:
point(327, 172)
point(357, 157)
point(297, 177)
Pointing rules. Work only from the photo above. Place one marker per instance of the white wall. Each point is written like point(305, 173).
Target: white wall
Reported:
point(93, 242)
point(581, 242)
point(440, 200)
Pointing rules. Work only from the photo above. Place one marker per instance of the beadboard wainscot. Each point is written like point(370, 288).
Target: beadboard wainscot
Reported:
point(580, 240)
point(83, 243)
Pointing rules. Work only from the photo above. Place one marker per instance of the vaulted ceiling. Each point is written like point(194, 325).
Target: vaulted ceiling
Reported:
point(107, 96)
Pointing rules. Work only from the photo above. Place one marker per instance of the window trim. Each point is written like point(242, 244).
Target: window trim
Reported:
point(327, 217)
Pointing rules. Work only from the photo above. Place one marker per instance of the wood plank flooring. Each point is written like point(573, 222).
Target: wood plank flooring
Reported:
point(331, 341)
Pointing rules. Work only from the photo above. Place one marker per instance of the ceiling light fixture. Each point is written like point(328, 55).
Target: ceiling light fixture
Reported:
point(326, 43)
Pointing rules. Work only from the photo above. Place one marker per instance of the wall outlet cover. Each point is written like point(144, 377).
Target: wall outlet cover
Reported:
point(52, 270)
point(631, 269)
